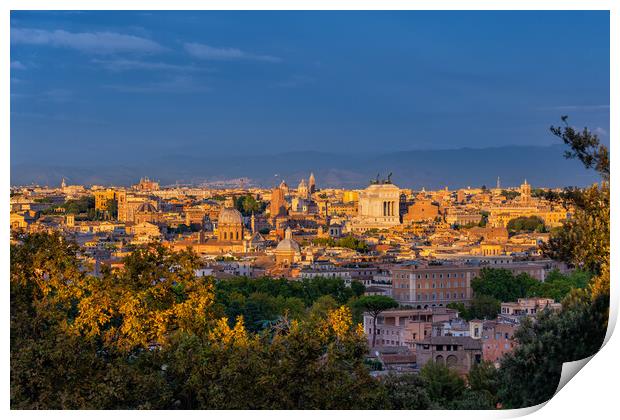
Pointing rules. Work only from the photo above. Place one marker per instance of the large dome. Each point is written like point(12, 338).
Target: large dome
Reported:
point(230, 216)
point(287, 245)
point(146, 208)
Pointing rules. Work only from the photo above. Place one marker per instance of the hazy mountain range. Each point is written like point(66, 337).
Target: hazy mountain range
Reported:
point(456, 168)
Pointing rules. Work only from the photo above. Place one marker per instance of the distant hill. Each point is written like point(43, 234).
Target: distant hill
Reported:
point(456, 168)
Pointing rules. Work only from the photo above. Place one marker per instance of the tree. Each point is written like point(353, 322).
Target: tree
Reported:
point(247, 204)
point(484, 219)
point(358, 288)
point(585, 146)
point(484, 307)
point(483, 377)
point(530, 374)
point(374, 305)
point(443, 384)
point(112, 208)
point(526, 224)
point(502, 284)
point(557, 285)
point(510, 194)
point(407, 392)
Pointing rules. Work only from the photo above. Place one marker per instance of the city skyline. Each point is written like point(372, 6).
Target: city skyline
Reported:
point(286, 210)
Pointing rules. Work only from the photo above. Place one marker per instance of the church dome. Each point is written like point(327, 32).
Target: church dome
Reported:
point(146, 208)
point(230, 216)
point(288, 244)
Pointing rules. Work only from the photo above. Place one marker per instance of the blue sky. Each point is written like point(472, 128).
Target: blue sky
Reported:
point(131, 86)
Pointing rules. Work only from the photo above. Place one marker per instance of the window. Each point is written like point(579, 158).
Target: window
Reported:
point(451, 360)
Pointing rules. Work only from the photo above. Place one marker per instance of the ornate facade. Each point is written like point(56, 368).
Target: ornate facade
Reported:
point(229, 225)
point(378, 207)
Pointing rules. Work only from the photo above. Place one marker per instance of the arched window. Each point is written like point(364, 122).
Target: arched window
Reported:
point(451, 360)
point(224, 235)
point(439, 359)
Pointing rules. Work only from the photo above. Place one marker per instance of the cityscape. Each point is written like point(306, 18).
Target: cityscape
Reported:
point(305, 289)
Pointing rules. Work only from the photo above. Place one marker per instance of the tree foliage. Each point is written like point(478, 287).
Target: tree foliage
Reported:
point(374, 305)
point(530, 374)
point(350, 242)
point(247, 204)
point(526, 224)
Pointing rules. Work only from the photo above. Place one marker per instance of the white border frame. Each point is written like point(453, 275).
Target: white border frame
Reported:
point(592, 394)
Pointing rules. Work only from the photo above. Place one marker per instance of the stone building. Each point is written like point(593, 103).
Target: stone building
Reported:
point(302, 189)
point(497, 340)
point(458, 353)
point(288, 251)
point(404, 327)
point(278, 205)
point(146, 184)
point(421, 210)
point(311, 184)
point(378, 207)
point(102, 198)
point(230, 224)
point(147, 212)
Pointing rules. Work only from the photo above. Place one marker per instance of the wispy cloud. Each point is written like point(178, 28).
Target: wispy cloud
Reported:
point(89, 42)
point(207, 52)
point(175, 85)
point(17, 65)
point(600, 131)
point(120, 65)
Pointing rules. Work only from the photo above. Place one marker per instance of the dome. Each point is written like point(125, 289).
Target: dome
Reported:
point(146, 208)
point(230, 216)
point(288, 244)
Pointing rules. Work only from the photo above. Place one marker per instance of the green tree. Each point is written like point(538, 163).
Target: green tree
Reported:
point(374, 305)
point(358, 288)
point(510, 194)
point(526, 224)
point(530, 374)
point(407, 392)
point(247, 204)
point(442, 384)
point(484, 378)
point(557, 285)
point(502, 285)
point(484, 307)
